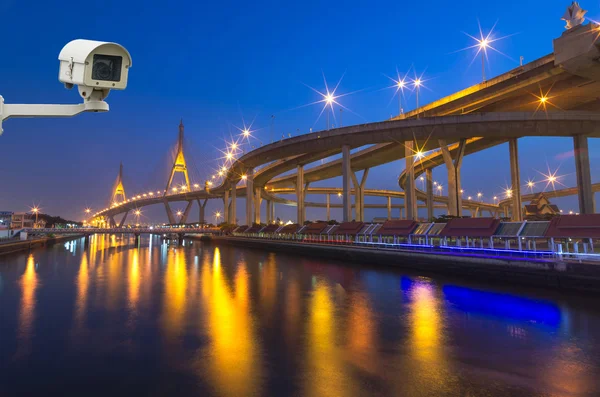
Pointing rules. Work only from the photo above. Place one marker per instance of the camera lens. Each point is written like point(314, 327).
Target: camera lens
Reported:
point(107, 67)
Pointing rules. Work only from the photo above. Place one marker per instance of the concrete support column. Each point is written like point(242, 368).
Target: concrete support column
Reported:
point(233, 205)
point(328, 205)
point(257, 203)
point(170, 215)
point(515, 177)
point(410, 195)
point(346, 176)
point(429, 184)
point(454, 184)
point(202, 206)
point(300, 195)
point(250, 197)
point(112, 222)
point(268, 215)
point(226, 206)
point(123, 219)
point(584, 178)
point(389, 208)
point(186, 213)
point(359, 195)
point(272, 211)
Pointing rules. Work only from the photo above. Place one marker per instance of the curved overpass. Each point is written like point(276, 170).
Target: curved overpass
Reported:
point(426, 132)
point(498, 110)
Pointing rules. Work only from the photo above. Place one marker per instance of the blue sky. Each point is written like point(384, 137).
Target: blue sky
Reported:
point(215, 64)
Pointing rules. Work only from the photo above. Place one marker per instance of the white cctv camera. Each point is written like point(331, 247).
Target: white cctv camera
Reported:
point(95, 67)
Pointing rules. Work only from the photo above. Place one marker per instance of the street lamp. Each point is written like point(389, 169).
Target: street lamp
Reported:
point(401, 84)
point(417, 84)
point(35, 210)
point(329, 103)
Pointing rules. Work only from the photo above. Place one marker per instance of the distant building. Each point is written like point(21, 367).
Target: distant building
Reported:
point(5, 219)
point(22, 220)
point(540, 208)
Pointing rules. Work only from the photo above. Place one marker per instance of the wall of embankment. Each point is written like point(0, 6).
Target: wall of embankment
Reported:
point(553, 273)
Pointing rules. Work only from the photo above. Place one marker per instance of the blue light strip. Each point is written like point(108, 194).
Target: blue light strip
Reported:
point(482, 250)
point(443, 249)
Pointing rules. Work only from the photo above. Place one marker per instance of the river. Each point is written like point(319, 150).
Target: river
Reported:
point(116, 318)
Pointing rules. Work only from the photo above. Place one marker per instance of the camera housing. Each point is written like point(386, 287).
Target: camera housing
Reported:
point(96, 67)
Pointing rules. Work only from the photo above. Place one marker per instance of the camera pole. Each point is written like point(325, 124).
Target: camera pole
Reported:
point(41, 110)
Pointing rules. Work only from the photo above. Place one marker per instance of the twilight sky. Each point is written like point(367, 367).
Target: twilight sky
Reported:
point(217, 64)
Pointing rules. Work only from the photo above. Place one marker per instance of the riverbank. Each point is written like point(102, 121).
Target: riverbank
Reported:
point(550, 273)
point(18, 245)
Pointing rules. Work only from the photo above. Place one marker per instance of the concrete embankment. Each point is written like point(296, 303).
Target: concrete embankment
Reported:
point(16, 246)
point(539, 272)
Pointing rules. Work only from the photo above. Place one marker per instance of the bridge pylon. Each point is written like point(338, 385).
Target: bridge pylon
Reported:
point(179, 165)
point(119, 190)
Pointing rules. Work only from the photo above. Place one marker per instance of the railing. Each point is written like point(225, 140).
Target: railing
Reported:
point(122, 230)
point(483, 247)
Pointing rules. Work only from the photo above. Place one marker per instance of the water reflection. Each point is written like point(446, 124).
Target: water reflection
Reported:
point(29, 285)
point(233, 355)
point(503, 306)
point(199, 320)
point(361, 329)
point(83, 283)
point(425, 338)
point(175, 293)
point(133, 287)
point(326, 371)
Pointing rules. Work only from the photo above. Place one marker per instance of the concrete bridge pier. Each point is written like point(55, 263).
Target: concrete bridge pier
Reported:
point(226, 206)
point(250, 197)
point(389, 208)
point(186, 212)
point(270, 211)
point(454, 183)
point(202, 206)
point(515, 177)
point(429, 183)
point(112, 222)
point(137, 239)
point(233, 204)
point(123, 219)
point(584, 179)
point(359, 194)
point(300, 195)
point(410, 194)
point(346, 172)
point(170, 215)
point(328, 205)
point(257, 203)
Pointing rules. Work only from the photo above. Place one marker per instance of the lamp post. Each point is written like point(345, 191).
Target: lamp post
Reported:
point(401, 84)
point(35, 210)
point(417, 84)
point(328, 102)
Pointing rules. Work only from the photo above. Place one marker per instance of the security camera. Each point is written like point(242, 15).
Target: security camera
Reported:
point(95, 67)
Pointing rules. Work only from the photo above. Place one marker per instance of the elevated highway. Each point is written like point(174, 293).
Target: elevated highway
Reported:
point(555, 95)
